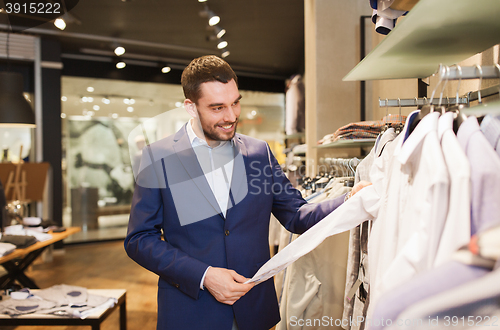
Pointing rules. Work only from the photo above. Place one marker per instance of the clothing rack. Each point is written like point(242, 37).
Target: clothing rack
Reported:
point(453, 73)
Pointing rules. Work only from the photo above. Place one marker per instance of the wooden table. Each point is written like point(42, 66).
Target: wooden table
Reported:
point(93, 320)
point(16, 262)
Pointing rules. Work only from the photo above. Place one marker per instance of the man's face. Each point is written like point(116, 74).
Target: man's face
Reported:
point(219, 109)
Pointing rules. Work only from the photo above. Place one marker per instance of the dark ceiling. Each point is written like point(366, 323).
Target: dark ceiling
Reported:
point(265, 37)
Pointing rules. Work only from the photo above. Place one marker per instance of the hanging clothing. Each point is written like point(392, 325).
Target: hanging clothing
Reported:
point(471, 304)
point(405, 235)
point(485, 175)
point(490, 126)
point(457, 228)
point(312, 282)
point(295, 106)
point(357, 275)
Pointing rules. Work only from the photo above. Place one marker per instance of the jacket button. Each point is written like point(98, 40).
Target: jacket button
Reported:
point(176, 285)
point(226, 232)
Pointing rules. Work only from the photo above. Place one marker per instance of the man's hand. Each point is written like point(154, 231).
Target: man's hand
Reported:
point(226, 285)
point(360, 185)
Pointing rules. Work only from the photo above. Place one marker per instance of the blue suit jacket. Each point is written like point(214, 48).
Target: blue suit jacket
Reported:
point(170, 194)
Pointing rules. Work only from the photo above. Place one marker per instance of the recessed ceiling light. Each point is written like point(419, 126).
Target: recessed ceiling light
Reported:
point(130, 109)
point(64, 98)
point(90, 89)
point(119, 51)
point(166, 69)
point(213, 19)
point(222, 44)
point(63, 115)
point(131, 101)
point(96, 107)
point(121, 65)
point(114, 115)
point(60, 23)
point(105, 100)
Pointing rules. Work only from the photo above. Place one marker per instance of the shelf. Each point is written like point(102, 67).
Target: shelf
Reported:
point(405, 5)
point(433, 32)
point(349, 143)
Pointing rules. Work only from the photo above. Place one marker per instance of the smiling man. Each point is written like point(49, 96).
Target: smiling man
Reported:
point(205, 190)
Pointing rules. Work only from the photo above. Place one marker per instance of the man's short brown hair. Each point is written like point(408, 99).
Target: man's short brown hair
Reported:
point(204, 69)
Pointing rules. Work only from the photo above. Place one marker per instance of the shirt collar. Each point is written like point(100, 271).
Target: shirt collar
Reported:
point(425, 126)
point(197, 141)
point(466, 130)
point(445, 123)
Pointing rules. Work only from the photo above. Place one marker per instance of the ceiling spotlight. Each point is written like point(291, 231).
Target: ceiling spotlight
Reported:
point(213, 19)
point(219, 32)
point(119, 51)
point(114, 115)
point(96, 107)
point(130, 109)
point(60, 23)
point(222, 44)
point(90, 99)
point(63, 115)
point(90, 89)
point(202, 0)
point(105, 100)
point(166, 69)
point(64, 98)
point(225, 54)
point(121, 65)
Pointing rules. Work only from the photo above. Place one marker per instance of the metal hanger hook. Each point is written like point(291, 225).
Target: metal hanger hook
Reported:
point(478, 67)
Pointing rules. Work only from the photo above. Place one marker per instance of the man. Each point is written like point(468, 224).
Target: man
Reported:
point(211, 192)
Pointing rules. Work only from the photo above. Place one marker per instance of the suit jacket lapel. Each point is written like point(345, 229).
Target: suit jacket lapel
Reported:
point(187, 157)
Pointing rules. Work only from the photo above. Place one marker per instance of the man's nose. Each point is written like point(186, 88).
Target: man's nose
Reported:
point(229, 115)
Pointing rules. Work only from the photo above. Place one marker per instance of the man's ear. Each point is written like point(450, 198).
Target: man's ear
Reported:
point(190, 107)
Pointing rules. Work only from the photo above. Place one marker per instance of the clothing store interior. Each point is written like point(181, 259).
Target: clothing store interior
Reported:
point(403, 94)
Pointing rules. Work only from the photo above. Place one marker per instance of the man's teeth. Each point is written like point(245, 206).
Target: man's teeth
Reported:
point(227, 126)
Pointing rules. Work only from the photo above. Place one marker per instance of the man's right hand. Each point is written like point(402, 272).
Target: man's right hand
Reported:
point(226, 285)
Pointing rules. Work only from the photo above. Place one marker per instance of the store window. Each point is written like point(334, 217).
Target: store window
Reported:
point(103, 125)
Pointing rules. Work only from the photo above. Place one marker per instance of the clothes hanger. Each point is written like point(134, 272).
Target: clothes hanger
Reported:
point(458, 116)
point(428, 108)
point(386, 125)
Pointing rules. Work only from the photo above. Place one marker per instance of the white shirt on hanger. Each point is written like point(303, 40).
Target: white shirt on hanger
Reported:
point(405, 235)
point(457, 231)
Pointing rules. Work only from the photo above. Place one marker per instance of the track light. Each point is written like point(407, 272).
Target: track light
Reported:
point(65, 19)
point(219, 32)
point(121, 65)
point(60, 23)
point(222, 44)
point(212, 18)
point(119, 51)
point(225, 54)
point(166, 69)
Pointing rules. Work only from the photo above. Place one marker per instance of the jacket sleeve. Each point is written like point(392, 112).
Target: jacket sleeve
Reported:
point(144, 243)
point(294, 213)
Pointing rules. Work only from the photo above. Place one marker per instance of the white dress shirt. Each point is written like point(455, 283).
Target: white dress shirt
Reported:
point(217, 165)
point(414, 203)
point(457, 229)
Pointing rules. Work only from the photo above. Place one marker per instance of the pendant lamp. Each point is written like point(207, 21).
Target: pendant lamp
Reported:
point(14, 108)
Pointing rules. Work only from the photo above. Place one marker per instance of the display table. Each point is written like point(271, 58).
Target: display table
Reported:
point(16, 262)
point(93, 320)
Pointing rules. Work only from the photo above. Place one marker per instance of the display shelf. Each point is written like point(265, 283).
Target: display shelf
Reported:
point(433, 32)
point(356, 143)
point(403, 4)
